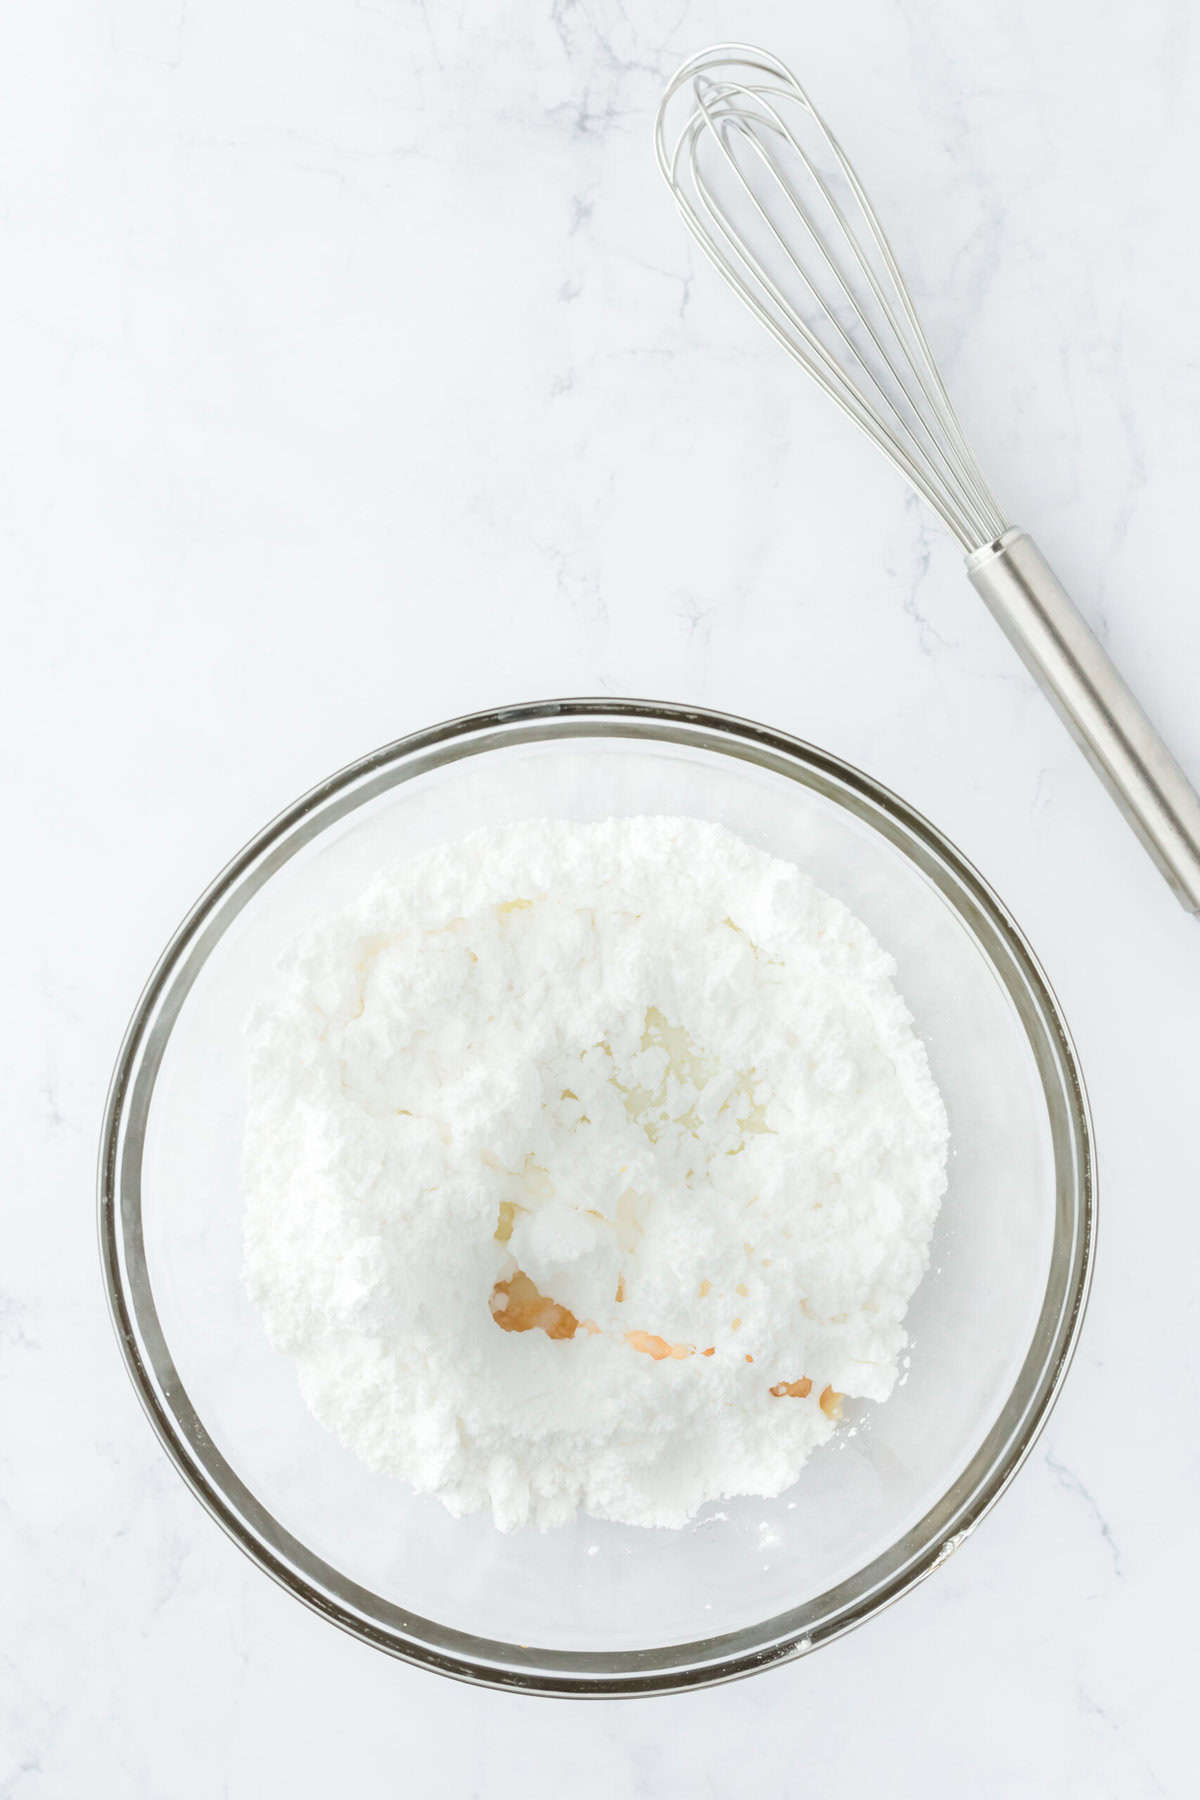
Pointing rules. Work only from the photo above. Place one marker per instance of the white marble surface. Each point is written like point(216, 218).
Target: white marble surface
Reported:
point(358, 374)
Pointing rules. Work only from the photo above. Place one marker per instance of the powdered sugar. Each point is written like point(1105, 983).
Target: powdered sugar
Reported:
point(567, 1144)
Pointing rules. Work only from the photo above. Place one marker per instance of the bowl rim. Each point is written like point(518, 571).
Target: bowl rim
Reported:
point(666, 1668)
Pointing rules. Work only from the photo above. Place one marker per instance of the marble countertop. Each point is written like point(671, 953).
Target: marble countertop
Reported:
point(358, 374)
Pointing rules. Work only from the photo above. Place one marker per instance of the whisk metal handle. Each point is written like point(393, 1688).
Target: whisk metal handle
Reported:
point(1067, 660)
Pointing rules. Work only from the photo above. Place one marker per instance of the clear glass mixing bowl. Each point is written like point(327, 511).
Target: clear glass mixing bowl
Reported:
point(595, 1608)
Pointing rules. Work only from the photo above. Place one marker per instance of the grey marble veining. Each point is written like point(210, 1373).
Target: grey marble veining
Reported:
point(357, 373)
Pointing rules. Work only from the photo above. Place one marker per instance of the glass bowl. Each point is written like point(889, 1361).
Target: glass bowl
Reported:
point(601, 1609)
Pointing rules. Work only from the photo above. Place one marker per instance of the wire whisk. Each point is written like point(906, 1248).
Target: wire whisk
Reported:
point(771, 198)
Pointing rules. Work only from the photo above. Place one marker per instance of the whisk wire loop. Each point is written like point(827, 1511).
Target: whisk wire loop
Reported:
point(756, 200)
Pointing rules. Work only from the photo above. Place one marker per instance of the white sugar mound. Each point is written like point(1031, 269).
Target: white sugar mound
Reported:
point(566, 1145)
